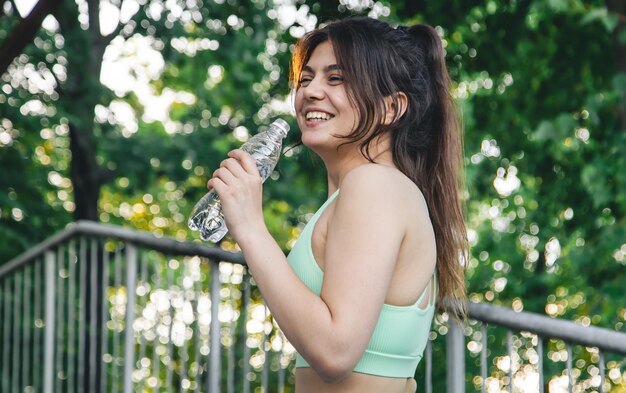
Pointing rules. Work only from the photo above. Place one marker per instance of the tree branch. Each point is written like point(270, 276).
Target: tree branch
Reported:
point(24, 32)
point(12, 3)
point(618, 7)
point(17, 14)
point(93, 11)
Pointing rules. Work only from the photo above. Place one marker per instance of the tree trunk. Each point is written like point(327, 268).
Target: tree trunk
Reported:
point(79, 96)
point(22, 35)
point(618, 7)
point(85, 174)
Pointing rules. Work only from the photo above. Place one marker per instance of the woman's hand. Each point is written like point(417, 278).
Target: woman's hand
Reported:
point(239, 186)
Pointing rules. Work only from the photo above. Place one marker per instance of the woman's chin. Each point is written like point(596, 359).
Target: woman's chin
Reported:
point(315, 144)
point(309, 140)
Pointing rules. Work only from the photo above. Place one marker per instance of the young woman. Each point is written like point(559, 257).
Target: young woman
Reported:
point(356, 295)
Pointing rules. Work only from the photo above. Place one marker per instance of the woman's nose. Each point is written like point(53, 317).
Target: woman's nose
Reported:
point(314, 90)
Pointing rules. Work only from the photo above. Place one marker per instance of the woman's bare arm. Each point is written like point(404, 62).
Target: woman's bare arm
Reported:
point(332, 330)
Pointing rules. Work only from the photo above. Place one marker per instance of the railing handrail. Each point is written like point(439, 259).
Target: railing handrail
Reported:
point(143, 238)
point(543, 325)
point(568, 331)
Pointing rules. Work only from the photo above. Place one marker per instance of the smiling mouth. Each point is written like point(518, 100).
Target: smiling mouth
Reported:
point(318, 116)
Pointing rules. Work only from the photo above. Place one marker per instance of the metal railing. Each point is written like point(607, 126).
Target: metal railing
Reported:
point(537, 330)
point(198, 324)
point(67, 305)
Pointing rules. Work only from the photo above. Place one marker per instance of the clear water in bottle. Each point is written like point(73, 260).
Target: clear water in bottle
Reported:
point(265, 148)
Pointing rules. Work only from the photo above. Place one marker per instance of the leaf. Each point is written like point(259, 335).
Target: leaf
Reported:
point(558, 5)
point(546, 131)
point(619, 82)
point(594, 180)
point(621, 38)
point(555, 130)
point(608, 20)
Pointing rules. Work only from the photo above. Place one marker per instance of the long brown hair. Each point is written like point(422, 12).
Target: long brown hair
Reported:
point(379, 61)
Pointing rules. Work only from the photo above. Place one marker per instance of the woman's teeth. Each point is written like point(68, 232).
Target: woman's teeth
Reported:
point(317, 116)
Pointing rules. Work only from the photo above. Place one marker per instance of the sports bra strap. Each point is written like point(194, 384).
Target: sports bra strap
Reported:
point(431, 289)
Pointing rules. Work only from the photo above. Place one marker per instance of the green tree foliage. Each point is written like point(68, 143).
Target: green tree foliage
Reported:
point(540, 85)
point(544, 142)
point(222, 56)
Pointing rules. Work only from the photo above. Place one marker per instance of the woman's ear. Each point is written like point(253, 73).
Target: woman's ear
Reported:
point(395, 106)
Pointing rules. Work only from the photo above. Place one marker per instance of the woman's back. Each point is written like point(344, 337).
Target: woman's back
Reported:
point(417, 252)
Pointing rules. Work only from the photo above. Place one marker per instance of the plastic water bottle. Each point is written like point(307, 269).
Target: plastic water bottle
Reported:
point(265, 148)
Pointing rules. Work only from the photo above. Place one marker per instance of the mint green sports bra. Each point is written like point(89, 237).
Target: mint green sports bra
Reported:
point(399, 339)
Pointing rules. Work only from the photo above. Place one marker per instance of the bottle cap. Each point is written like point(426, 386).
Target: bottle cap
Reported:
point(281, 126)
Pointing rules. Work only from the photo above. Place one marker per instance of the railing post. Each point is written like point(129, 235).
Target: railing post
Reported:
point(49, 324)
point(509, 350)
point(483, 358)
point(247, 296)
point(214, 331)
point(601, 366)
point(428, 378)
point(540, 362)
point(455, 355)
point(129, 332)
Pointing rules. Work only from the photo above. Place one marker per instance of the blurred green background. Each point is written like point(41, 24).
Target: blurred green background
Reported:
point(118, 111)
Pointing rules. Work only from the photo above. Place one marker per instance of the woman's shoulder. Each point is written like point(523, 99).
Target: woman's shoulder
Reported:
point(379, 176)
point(383, 181)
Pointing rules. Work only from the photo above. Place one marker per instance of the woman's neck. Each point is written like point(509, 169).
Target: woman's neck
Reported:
point(349, 157)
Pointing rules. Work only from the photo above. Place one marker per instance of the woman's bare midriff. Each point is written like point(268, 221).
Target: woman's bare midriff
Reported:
point(307, 381)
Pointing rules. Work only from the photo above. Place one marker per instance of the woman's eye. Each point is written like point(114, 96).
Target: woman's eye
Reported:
point(335, 78)
point(304, 80)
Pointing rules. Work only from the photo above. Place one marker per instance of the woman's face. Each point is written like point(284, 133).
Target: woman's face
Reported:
point(322, 105)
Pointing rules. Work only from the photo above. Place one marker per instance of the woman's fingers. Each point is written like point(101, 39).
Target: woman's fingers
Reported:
point(238, 184)
point(245, 160)
point(225, 175)
point(234, 166)
point(229, 171)
point(239, 167)
point(216, 184)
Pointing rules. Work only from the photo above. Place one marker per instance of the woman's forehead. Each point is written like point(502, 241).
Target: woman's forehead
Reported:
point(323, 56)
